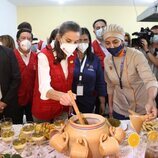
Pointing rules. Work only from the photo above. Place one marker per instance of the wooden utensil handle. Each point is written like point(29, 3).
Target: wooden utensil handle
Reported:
point(76, 108)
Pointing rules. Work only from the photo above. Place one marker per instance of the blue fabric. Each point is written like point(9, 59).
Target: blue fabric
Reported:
point(119, 116)
point(93, 82)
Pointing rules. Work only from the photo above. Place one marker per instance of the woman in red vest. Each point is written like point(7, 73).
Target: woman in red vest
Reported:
point(55, 75)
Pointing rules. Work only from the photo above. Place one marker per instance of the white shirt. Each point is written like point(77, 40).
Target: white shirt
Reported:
point(25, 57)
point(44, 74)
point(103, 49)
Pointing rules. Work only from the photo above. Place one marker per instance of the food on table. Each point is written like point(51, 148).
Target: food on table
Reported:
point(46, 128)
point(7, 136)
point(10, 156)
point(150, 125)
point(59, 123)
point(114, 122)
point(37, 136)
point(6, 125)
point(153, 135)
point(133, 140)
point(28, 129)
point(19, 144)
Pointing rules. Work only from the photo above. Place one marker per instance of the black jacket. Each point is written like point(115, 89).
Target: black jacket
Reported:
point(9, 80)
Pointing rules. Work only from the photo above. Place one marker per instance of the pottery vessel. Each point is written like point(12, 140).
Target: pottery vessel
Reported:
point(85, 141)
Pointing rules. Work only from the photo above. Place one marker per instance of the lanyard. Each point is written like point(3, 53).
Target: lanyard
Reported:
point(82, 67)
point(121, 69)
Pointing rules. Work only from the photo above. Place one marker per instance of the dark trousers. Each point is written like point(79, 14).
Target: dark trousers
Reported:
point(25, 110)
point(97, 104)
point(119, 116)
point(12, 111)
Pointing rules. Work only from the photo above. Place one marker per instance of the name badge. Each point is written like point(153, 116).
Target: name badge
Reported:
point(79, 90)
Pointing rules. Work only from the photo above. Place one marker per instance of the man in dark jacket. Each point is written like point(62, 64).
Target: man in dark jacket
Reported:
point(9, 83)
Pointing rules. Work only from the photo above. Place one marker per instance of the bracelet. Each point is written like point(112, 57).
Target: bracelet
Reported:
point(147, 52)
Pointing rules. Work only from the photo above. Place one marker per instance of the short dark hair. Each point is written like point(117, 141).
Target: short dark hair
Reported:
point(23, 30)
point(102, 20)
point(154, 27)
point(24, 25)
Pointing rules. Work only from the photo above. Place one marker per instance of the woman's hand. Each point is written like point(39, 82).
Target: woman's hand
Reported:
point(2, 106)
point(110, 111)
point(65, 99)
point(151, 108)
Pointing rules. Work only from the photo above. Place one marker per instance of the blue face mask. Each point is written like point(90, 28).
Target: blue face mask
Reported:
point(115, 51)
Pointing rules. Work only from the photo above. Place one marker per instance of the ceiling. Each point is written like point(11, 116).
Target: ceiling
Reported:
point(81, 2)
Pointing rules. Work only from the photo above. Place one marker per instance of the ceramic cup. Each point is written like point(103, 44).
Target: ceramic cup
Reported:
point(60, 141)
point(108, 145)
point(79, 149)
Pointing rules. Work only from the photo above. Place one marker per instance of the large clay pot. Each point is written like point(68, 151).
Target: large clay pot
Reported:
point(91, 132)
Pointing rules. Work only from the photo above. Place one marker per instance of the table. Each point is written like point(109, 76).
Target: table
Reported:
point(125, 151)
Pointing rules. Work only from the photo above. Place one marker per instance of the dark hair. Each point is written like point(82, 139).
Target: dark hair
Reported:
point(102, 20)
point(7, 41)
point(24, 25)
point(23, 30)
point(129, 38)
point(64, 28)
point(53, 35)
point(154, 27)
point(89, 53)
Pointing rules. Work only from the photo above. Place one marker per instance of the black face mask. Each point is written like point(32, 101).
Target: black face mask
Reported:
point(115, 51)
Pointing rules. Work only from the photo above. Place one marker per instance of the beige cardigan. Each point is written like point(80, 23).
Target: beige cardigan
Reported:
point(137, 77)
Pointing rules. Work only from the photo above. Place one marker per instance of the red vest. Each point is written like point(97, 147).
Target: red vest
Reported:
point(28, 72)
point(99, 52)
point(49, 109)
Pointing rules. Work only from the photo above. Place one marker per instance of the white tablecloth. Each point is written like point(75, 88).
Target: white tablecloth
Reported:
point(48, 152)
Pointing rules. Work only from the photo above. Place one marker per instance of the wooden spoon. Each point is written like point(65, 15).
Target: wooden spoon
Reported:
point(81, 120)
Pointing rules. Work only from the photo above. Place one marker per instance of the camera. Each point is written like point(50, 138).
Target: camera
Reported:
point(145, 33)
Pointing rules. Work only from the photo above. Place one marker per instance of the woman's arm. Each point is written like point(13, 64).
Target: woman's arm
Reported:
point(151, 105)
point(149, 80)
point(47, 92)
point(153, 59)
point(110, 97)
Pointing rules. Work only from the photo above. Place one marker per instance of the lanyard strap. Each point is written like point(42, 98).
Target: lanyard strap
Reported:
point(121, 69)
point(82, 67)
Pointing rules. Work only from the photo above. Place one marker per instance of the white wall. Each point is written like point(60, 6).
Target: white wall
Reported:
point(44, 19)
point(8, 17)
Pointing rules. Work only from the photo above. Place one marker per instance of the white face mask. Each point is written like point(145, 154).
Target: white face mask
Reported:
point(126, 43)
point(100, 33)
point(52, 43)
point(83, 47)
point(68, 48)
point(25, 45)
point(155, 39)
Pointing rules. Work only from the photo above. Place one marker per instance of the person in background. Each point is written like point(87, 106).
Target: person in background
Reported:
point(88, 68)
point(98, 45)
point(51, 39)
point(130, 82)
point(55, 75)
point(100, 50)
point(127, 41)
point(150, 50)
point(7, 41)
point(27, 61)
point(9, 84)
point(25, 25)
point(37, 44)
